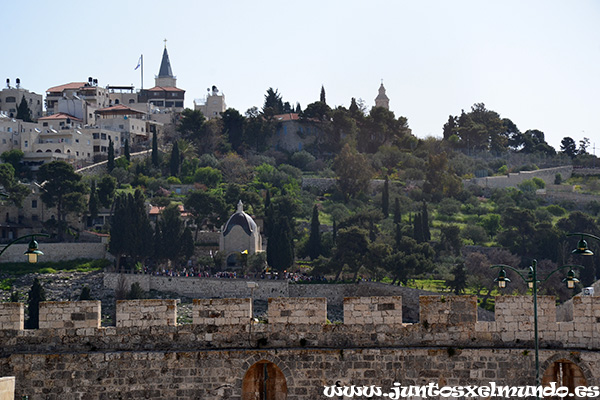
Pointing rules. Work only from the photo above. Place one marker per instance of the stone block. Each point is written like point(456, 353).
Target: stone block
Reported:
point(70, 314)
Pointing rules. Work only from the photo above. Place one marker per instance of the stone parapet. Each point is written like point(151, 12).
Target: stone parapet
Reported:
point(70, 314)
point(297, 310)
point(373, 310)
point(146, 313)
point(12, 316)
point(221, 311)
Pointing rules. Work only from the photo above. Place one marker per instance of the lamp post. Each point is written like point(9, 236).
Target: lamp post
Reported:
point(532, 282)
point(33, 251)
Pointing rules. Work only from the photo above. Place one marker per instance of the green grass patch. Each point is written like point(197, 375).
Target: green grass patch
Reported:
point(6, 284)
point(79, 265)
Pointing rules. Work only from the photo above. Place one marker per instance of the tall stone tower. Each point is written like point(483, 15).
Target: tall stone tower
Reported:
point(381, 100)
point(165, 76)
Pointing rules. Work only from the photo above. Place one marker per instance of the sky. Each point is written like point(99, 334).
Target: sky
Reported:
point(535, 62)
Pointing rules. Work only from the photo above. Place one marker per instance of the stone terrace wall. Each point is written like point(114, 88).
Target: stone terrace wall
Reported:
point(513, 179)
point(57, 251)
point(12, 316)
point(201, 287)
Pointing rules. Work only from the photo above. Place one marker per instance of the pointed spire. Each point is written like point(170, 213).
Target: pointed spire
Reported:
point(165, 66)
point(240, 206)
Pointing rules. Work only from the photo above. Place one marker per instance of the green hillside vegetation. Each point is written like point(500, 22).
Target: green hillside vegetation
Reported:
point(415, 228)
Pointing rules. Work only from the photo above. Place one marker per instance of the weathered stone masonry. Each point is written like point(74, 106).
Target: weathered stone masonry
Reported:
point(147, 355)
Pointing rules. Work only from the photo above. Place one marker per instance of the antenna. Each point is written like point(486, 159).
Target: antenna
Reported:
point(7, 83)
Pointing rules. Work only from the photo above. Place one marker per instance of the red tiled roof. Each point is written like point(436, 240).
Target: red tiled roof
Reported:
point(287, 117)
point(154, 210)
point(119, 109)
point(165, 89)
point(68, 86)
point(58, 116)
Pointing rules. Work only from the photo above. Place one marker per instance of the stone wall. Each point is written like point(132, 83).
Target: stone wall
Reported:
point(70, 314)
point(513, 179)
point(54, 252)
point(221, 311)
point(297, 310)
point(160, 359)
point(7, 388)
point(200, 287)
point(373, 310)
point(12, 316)
point(146, 313)
point(100, 168)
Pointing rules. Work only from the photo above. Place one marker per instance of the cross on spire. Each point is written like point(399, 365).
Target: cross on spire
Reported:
point(165, 43)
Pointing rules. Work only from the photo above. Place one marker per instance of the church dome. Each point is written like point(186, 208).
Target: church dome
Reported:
point(240, 218)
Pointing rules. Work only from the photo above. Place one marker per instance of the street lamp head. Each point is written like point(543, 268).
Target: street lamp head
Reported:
point(32, 252)
point(502, 279)
point(571, 280)
point(582, 248)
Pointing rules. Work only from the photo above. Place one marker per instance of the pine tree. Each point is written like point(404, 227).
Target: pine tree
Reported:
point(126, 150)
point(298, 108)
point(155, 160)
point(322, 97)
point(385, 199)
point(397, 213)
point(314, 240)
point(37, 294)
point(110, 165)
point(174, 162)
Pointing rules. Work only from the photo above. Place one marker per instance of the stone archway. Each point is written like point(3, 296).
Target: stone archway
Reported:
point(565, 373)
point(264, 381)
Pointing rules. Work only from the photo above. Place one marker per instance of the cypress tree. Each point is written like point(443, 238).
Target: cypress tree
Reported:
point(126, 150)
point(110, 165)
point(94, 200)
point(425, 223)
point(418, 228)
point(37, 294)
point(397, 213)
point(23, 111)
point(334, 235)
point(322, 97)
point(398, 236)
point(154, 150)
point(174, 162)
point(385, 199)
point(314, 240)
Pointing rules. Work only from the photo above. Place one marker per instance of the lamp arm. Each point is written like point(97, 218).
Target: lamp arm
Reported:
point(560, 269)
point(503, 266)
point(584, 234)
point(20, 238)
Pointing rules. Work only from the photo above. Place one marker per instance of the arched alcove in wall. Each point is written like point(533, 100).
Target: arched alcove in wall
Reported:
point(264, 381)
point(565, 373)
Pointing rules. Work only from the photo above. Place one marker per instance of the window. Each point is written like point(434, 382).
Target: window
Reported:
point(26, 143)
point(96, 135)
point(103, 136)
point(33, 203)
point(34, 217)
point(45, 124)
point(121, 126)
point(11, 99)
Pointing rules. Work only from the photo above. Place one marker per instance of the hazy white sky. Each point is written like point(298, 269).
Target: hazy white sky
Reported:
point(535, 62)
